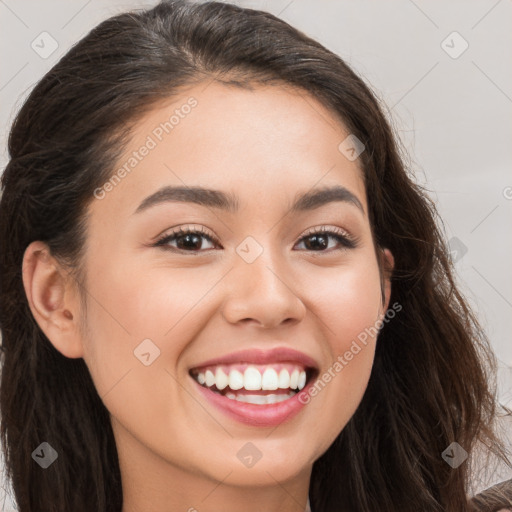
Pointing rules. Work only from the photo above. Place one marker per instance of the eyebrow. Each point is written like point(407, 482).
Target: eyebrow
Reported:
point(226, 201)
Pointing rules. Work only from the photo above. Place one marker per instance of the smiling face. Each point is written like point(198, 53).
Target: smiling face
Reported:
point(256, 274)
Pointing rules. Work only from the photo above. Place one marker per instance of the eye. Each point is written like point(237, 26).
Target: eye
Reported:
point(187, 239)
point(317, 240)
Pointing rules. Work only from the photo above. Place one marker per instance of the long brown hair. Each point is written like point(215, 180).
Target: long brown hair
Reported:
point(429, 386)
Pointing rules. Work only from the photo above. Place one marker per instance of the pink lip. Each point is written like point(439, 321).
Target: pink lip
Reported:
point(268, 415)
point(260, 356)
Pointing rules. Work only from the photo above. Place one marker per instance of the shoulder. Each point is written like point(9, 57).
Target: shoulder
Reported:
point(497, 498)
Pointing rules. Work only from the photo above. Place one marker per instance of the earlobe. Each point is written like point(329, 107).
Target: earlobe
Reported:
point(51, 299)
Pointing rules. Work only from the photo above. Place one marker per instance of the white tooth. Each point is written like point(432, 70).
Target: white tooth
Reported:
point(281, 398)
point(210, 378)
point(284, 379)
point(200, 378)
point(260, 399)
point(302, 380)
point(252, 399)
point(236, 380)
point(269, 379)
point(221, 379)
point(294, 379)
point(252, 379)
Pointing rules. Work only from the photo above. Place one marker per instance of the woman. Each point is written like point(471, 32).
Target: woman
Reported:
point(206, 225)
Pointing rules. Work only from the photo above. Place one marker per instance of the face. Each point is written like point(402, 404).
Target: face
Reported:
point(245, 292)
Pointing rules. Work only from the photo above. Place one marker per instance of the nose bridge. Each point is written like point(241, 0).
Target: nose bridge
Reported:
point(260, 286)
point(264, 270)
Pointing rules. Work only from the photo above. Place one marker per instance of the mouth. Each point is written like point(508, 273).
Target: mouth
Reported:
point(260, 388)
point(257, 384)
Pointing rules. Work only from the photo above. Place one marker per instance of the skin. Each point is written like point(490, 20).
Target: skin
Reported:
point(266, 145)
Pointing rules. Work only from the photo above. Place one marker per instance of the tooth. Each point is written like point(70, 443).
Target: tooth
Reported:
point(284, 379)
point(263, 399)
point(200, 378)
point(252, 379)
point(236, 380)
point(294, 379)
point(210, 378)
point(281, 398)
point(260, 399)
point(252, 399)
point(269, 379)
point(302, 380)
point(271, 399)
point(221, 379)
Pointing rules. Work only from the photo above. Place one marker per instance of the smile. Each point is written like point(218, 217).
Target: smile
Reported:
point(258, 387)
point(254, 384)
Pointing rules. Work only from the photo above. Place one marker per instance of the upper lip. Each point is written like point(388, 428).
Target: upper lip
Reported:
point(262, 356)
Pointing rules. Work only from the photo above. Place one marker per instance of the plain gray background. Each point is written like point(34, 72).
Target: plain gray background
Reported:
point(442, 68)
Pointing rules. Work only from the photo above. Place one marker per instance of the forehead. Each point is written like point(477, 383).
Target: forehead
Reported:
point(250, 141)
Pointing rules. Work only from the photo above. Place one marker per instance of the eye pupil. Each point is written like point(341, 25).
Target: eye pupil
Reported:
point(317, 239)
point(191, 241)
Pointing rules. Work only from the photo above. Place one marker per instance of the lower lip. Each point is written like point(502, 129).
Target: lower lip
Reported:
point(267, 415)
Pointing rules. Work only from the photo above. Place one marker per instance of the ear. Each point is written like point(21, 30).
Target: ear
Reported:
point(387, 264)
point(53, 299)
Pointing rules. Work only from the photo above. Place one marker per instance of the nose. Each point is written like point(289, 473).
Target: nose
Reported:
point(262, 293)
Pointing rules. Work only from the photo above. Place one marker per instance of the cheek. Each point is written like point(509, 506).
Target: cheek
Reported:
point(348, 309)
point(347, 300)
point(155, 303)
point(127, 305)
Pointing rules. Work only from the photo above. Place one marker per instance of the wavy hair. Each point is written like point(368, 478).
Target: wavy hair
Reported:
point(432, 379)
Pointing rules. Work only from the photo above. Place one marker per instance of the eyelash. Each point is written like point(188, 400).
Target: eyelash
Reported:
point(342, 237)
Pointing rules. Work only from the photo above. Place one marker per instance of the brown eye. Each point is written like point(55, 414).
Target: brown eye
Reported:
point(319, 241)
point(187, 240)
